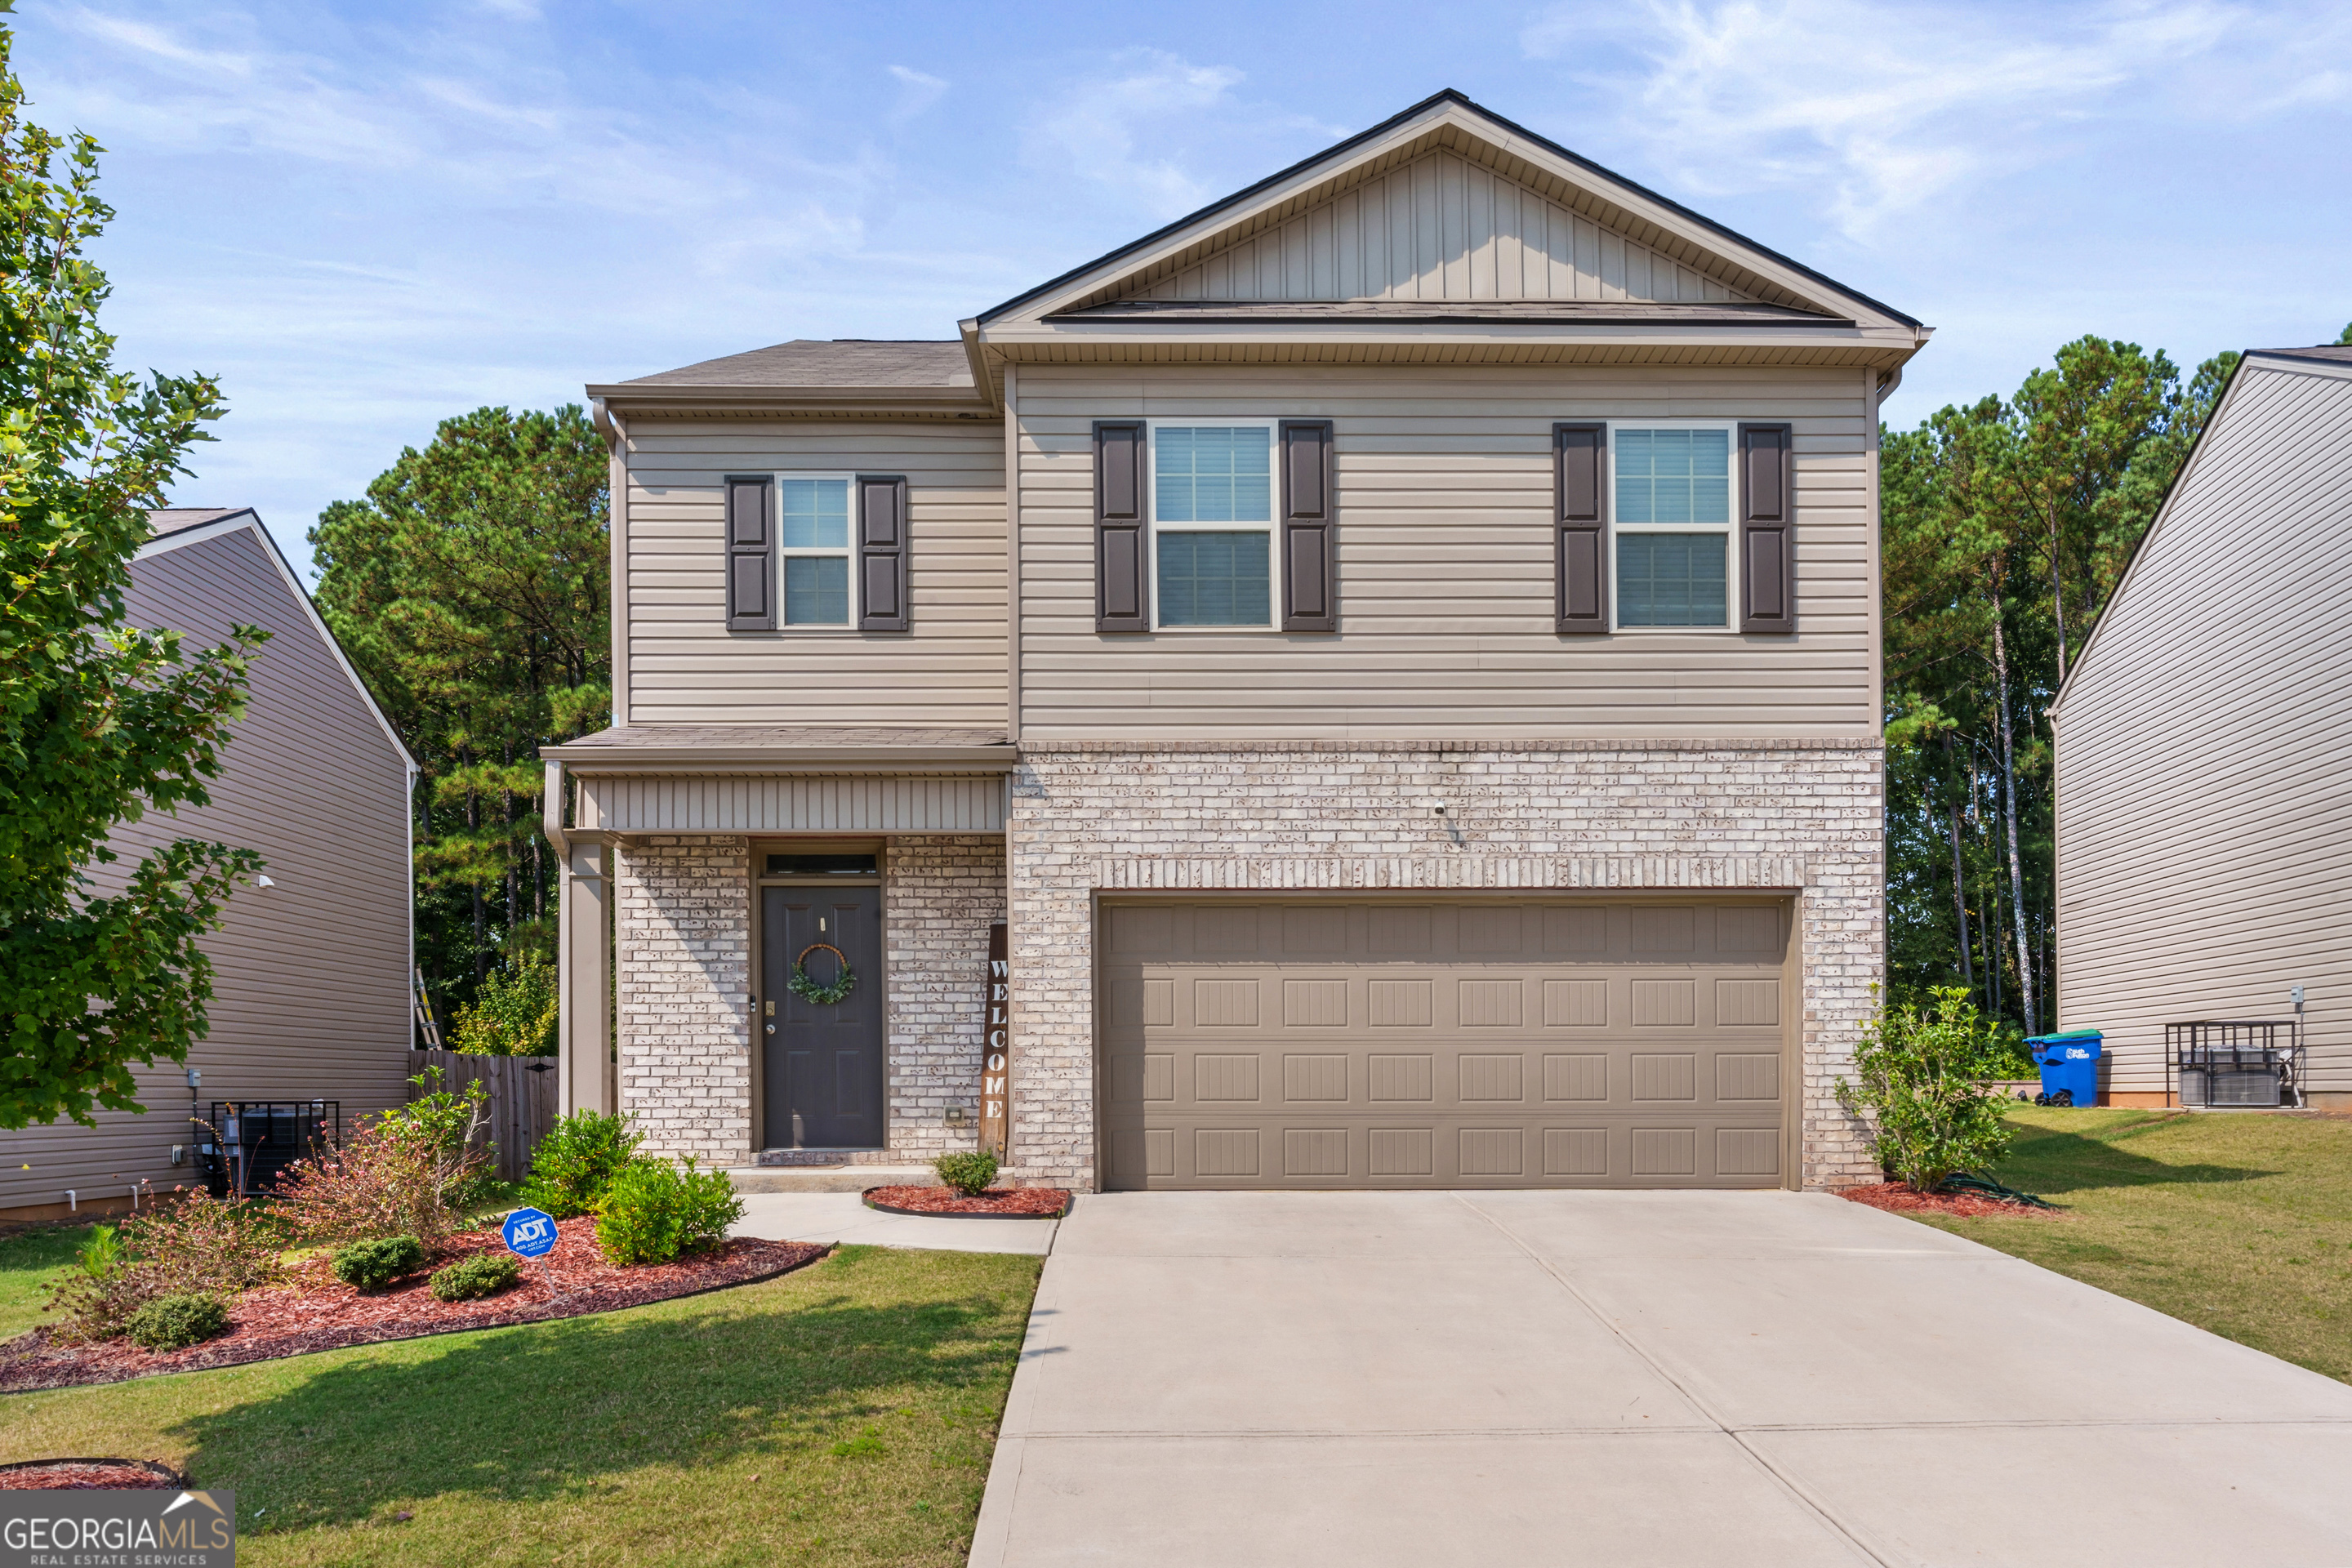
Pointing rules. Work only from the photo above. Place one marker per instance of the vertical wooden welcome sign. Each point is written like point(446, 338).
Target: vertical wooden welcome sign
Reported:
point(996, 1048)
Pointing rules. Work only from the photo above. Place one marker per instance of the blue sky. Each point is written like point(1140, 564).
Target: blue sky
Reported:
point(364, 219)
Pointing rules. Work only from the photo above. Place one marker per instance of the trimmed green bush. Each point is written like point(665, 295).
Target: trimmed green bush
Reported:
point(967, 1173)
point(475, 1278)
point(1919, 1086)
point(652, 1211)
point(578, 1158)
point(373, 1265)
point(175, 1322)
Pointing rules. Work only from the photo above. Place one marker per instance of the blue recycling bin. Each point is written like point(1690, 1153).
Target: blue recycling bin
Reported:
point(2069, 1061)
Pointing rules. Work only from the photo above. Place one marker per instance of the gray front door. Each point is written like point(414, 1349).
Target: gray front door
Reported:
point(823, 1062)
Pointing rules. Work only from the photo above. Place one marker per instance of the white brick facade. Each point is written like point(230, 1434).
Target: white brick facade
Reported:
point(939, 895)
point(682, 949)
point(1088, 816)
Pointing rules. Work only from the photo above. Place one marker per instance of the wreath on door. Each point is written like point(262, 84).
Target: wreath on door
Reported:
point(808, 990)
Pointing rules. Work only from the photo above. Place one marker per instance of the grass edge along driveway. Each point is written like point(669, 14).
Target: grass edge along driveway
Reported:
point(863, 1393)
point(2238, 1222)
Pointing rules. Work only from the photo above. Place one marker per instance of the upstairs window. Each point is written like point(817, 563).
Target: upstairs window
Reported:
point(1672, 525)
point(1212, 524)
point(813, 557)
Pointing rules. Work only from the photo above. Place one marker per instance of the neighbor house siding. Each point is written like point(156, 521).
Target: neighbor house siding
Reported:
point(2205, 747)
point(1444, 551)
point(311, 975)
point(1439, 228)
point(685, 666)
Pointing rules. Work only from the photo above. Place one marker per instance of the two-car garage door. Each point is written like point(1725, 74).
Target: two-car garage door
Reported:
point(1488, 1042)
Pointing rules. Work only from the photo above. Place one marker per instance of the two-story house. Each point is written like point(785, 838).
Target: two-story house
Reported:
point(1398, 647)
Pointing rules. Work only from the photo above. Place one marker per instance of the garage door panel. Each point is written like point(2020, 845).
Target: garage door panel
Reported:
point(1504, 1042)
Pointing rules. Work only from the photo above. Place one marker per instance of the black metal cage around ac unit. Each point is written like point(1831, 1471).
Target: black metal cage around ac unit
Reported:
point(2221, 1063)
point(247, 1144)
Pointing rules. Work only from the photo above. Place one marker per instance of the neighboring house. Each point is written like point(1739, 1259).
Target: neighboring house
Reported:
point(310, 974)
point(2204, 830)
point(1400, 645)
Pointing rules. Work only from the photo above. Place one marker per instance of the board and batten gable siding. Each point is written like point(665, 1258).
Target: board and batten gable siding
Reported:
point(1439, 228)
point(310, 976)
point(1444, 484)
point(686, 667)
point(2205, 747)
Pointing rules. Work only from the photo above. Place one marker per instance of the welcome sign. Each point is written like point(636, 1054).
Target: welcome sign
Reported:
point(996, 1047)
point(118, 1529)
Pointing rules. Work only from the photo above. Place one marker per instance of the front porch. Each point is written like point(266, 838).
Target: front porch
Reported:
point(702, 866)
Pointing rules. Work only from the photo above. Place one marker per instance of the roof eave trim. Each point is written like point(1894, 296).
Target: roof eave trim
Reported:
point(607, 761)
point(1339, 150)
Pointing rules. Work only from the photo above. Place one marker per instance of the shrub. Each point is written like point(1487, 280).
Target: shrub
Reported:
point(196, 1244)
point(404, 1175)
point(373, 1265)
point(175, 1322)
point(474, 1278)
point(652, 1211)
point(572, 1165)
point(444, 1127)
point(513, 1013)
point(967, 1173)
point(1916, 1085)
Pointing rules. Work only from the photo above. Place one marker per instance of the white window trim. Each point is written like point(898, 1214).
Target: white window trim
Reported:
point(1727, 528)
point(1153, 527)
point(848, 552)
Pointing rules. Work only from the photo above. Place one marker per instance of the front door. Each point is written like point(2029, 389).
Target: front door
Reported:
point(823, 1060)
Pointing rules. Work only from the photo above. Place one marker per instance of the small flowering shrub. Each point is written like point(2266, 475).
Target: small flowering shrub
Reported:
point(195, 1245)
point(406, 1174)
point(968, 1173)
point(175, 1322)
point(370, 1266)
point(653, 1211)
point(474, 1278)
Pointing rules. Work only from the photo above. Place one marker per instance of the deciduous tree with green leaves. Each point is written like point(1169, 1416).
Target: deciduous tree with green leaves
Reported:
point(99, 722)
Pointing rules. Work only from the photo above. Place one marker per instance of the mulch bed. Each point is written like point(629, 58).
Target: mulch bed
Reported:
point(1896, 1198)
point(997, 1202)
point(319, 1313)
point(91, 1475)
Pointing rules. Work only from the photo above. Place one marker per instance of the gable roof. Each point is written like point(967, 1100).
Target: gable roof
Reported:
point(1428, 120)
point(177, 528)
point(2326, 359)
point(844, 374)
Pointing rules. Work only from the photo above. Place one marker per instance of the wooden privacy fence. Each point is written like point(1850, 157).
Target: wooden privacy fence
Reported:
point(522, 1100)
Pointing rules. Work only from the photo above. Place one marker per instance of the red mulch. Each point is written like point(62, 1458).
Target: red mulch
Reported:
point(1896, 1198)
point(91, 1475)
point(319, 1313)
point(1007, 1202)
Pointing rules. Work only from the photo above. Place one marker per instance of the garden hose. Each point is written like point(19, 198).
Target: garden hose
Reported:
point(1985, 1186)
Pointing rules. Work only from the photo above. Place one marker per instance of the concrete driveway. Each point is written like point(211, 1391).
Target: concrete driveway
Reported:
point(1558, 1378)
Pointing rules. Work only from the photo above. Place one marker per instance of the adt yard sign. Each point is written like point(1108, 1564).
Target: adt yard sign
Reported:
point(530, 1232)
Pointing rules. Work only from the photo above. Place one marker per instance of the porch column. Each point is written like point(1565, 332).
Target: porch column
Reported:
point(587, 942)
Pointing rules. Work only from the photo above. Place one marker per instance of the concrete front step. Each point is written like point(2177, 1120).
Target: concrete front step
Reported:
point(827, 1178)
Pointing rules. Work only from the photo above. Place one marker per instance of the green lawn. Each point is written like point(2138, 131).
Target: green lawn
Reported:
point(842, 1414)
point(26, 1259)
point(2237, 1223)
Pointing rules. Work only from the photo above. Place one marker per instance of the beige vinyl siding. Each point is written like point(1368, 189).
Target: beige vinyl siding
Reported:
point(310, 976)
point(1439, 228)
point(1444, 566)
point(686, 667)
point(2205, 748)
point(834, 803)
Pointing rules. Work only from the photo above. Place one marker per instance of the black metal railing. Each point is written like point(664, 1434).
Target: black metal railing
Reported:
point(2217, 1063)
point(246, 1145)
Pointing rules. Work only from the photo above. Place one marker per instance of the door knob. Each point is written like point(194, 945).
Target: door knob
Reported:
point(772, 1029)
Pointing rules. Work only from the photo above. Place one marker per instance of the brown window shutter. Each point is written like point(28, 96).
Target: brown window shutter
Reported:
point(1579, 555)
point(1767, 517)
point(1120, 588)
point(751, 552)
point(1310, 583)
point(882, 551)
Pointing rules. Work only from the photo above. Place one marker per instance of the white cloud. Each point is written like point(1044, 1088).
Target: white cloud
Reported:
point(1094, 128)
point(1886, 109)
point(916, 92)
